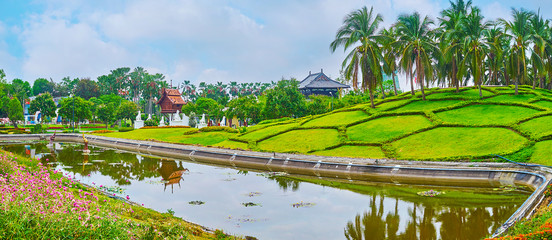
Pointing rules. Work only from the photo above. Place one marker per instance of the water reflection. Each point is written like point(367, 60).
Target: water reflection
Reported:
point(171, 173)
point(424, 221)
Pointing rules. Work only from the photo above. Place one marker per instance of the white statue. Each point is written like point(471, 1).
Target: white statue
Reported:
point(223, 121)
point(202, 123)
point(139, 116)
point(177, 116)
point(149, 117)
point(139, 123)
point(162, 122)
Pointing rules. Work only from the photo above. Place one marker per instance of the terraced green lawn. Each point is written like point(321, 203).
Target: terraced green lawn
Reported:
point(538, 127)
point(353, 151)
point(267, 132)
point(301, 141)
point(426, 105)
point(335, 119)
point(523, 98)
point(545, 104)
point(458, 142)
point(176, 135)
point(387, 105)
point(543, 153)
point(386, 128)
point(232, 145)
point(486, 114)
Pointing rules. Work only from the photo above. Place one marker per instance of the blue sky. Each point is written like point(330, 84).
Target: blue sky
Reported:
point(196, 40)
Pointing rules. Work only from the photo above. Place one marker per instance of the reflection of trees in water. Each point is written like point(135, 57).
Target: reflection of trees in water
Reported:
point(456, 222)
point(122, 167)
point(286, 183)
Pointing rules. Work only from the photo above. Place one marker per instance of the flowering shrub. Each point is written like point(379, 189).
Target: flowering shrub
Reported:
point(102, 131)
point(544, 233)
point(39, 203)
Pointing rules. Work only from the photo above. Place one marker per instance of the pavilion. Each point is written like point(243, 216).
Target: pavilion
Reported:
point(320, 84)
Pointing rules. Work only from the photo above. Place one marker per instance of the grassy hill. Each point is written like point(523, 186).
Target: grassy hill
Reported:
point(447, 126)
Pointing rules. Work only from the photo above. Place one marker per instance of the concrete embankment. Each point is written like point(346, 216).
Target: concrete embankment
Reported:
point(464, 174)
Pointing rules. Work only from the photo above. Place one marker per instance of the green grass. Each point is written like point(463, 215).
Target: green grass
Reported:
point(447, 142)
point(426, 105)
point(544, 103)
point(301, 141)
point(177, 135)
point(353, 151)
point(538, 127)
point(335, 119)
point(543, 153)
point(524, 98)
point(232, 145)
point(388, 105)
point(386, 128)
point(266, 132)
point(486, 114)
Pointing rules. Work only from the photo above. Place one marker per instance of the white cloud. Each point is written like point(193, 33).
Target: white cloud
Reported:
point(212, 75)
point(496, 10)
point(56, 48)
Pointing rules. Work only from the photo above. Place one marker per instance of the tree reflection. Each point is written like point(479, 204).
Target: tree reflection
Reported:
point(286, 183)
point(421, 219)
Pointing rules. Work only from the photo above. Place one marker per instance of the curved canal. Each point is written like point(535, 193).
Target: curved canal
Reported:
point(280, 206)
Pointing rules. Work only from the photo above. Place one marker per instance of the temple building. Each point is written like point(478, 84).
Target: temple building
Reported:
point(320, 84)
point(171, 101)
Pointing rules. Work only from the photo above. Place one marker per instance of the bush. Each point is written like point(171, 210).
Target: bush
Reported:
point(219, 128)
point(102, 131)
point(153, 127)
point(126, 129)
point(37, 129)
point(71, 131)
point(151, 123)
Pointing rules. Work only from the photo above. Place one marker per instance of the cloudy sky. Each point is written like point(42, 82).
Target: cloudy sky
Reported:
point(196, 40)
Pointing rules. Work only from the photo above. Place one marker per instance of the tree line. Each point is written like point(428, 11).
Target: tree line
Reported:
point(459, 48)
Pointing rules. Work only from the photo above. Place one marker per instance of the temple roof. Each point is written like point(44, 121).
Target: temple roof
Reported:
point(173, 95)
point(320, 80)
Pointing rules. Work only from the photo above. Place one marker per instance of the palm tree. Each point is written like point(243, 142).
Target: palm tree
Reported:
point(359, 31)
point(519, 31)
point(416, 39)
point(539, 33)
point(390, 55)
point(452, 35)
point(475, 46)
point(494, 37)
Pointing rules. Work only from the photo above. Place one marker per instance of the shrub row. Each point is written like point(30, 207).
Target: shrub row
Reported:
point(126, 129)
point(102, 131)
point(218, 129)
point(153, 127)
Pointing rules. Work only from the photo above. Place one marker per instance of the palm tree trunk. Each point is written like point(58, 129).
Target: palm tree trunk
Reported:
point(419, 75)
point(541, 82)
point(517, 78)
point(382, 91)
point(394, 84)
point(411, 81)
point(455, 75)
point(507, 77)
point(534, 76)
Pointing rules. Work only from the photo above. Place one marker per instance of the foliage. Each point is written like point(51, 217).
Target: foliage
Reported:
point(127, 110)
point(37, 128)
point(102, 131)
point(106, 113)
point(45, 104)
point(15, 111)
point(284, 100)
point(87, 89)
point(151, 122)
point(42, 85)
point(218, 128)
point(80, 107)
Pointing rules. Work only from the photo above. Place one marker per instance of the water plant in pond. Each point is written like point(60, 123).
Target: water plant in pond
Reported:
point(430, 193)
point(253, 194)
point(251, 204)
point(196, 202)
point(303, 204)
point(112, 189)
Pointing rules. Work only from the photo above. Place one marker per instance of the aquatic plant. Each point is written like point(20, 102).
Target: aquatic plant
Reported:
point(251, 204)
point(430, 193)
point(303, 204)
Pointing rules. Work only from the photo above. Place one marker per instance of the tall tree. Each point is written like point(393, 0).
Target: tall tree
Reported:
point(359, 31)
point(15, 111)
point(519, 31)
point(475, 46)
point(45, 104)
point(42, 85)
point(416, 42)
point(87, 89)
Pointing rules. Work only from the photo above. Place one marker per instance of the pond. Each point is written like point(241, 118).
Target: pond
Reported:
point(280, 206)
